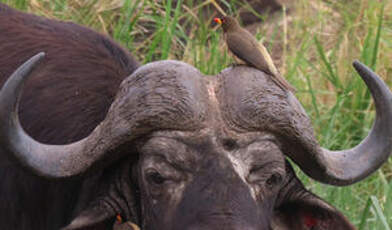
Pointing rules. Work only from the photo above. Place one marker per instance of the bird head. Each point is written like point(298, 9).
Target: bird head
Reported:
point(227, 22)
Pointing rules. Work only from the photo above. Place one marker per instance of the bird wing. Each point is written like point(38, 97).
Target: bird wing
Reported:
point(246, 48)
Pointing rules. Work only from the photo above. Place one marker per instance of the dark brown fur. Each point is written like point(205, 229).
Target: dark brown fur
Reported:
point(64, 101)
point(78, 78)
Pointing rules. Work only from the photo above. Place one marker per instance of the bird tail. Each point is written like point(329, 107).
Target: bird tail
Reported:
point(283, 83)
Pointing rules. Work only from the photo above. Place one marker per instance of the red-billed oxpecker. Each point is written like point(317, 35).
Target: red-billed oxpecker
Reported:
point(245, 47)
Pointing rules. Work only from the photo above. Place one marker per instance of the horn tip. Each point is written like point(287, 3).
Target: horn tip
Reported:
point(363, 70)
point(358, 65)
point(39, 56)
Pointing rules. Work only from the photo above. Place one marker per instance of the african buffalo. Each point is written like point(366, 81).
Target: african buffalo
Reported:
point(168, 148)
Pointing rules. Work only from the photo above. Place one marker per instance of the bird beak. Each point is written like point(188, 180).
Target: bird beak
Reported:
point(218, 20)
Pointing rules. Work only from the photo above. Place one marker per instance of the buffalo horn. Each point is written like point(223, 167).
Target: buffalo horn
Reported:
point(349, 166)
point(51, 161)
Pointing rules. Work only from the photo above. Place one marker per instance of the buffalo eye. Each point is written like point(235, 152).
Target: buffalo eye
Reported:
point(274, 180)
point(155, 178)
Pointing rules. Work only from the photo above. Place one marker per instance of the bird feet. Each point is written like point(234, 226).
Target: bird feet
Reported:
point(232, 65)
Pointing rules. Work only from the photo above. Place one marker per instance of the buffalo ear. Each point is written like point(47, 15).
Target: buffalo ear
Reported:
point(112, 193)
point(309, 213)
point(299, 209)
point(99, 219)
point(90, 218)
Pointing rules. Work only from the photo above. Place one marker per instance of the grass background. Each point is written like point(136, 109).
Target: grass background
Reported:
point(313, 43)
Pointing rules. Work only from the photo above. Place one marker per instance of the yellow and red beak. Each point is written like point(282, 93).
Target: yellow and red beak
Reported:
point(218, 20)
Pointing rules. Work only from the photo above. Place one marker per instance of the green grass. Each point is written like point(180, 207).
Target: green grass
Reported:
point(314, 45)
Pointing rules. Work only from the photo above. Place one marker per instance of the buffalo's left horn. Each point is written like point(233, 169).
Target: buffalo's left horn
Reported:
point(349, 166)
point(52, 161)
point(139, 107)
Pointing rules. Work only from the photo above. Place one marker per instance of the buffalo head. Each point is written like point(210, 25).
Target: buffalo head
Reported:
point(189, 151)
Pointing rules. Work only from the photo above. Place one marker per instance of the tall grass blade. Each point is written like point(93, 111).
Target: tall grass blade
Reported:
point(382, 219)
point(388, 204)
point(365, 213)
point(378, 36)
point(332, 77)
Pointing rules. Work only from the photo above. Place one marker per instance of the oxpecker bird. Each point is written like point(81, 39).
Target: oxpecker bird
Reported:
point(246, 48)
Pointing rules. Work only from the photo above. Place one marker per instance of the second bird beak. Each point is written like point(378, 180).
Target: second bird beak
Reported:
point(218, 20)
